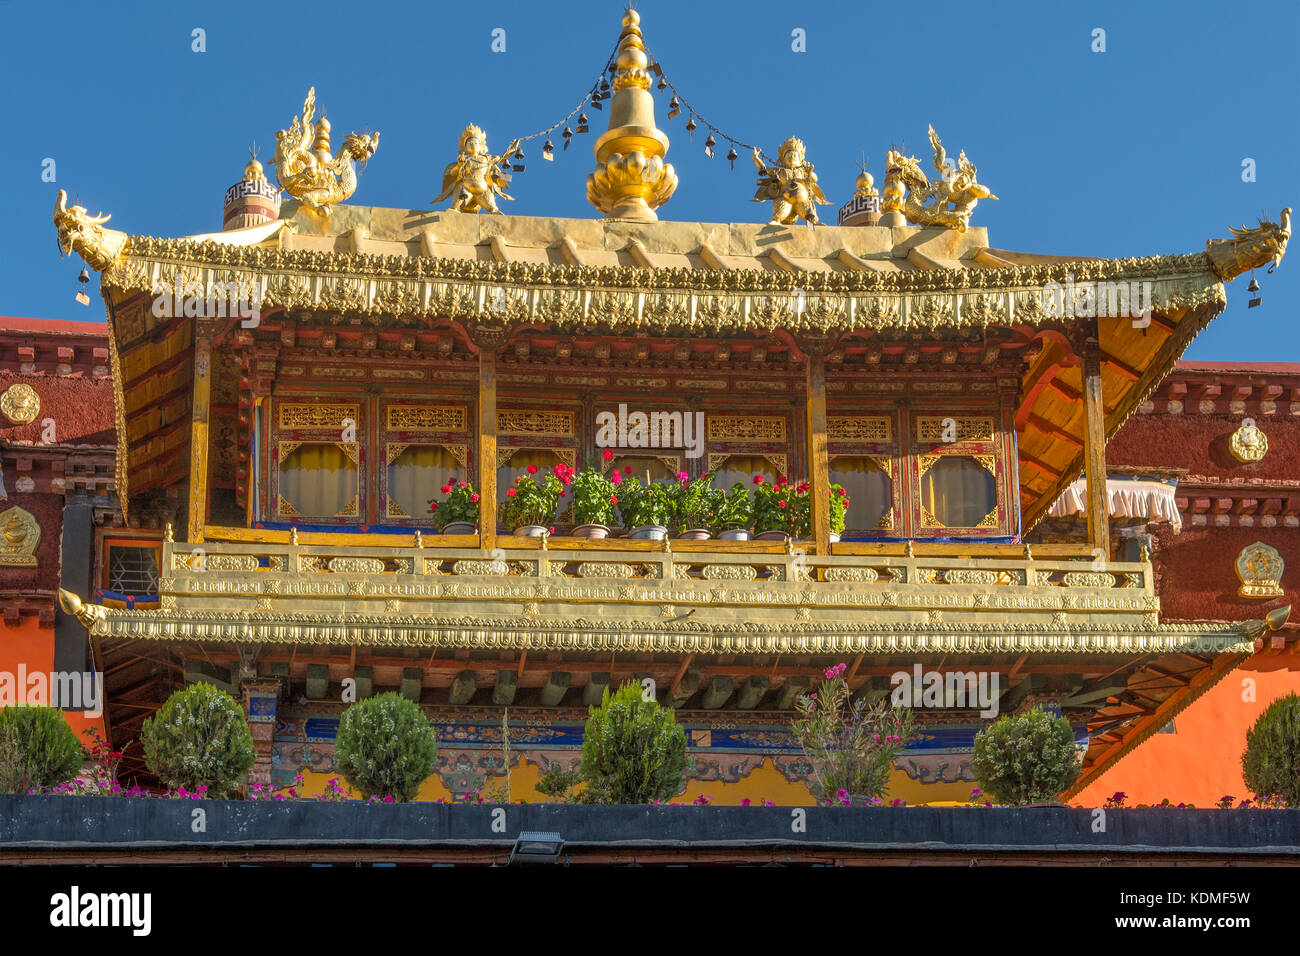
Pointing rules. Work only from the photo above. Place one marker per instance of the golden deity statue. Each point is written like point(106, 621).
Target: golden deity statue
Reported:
point(475, 177)
point(791, 185)
point(948, 201)
point(304, 167)
point(1250, 248)
point(85, 234)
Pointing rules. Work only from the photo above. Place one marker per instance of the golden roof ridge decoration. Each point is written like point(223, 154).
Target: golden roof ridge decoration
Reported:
point(790, 185)
point(1250, 248)
point(475, 178)
point(631, 180)
point(304, 167)
point(85, 235)
point(949, 201)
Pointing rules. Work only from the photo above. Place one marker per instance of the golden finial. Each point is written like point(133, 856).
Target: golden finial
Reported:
point(419, 538)
point(667, 545)
point(865, 183)
point(167, 534)
point(293, 537)
point(1029, 553)
point(253, 171)
point(1144, 555)
point(631, 179)
point(909, 550)
point(546, 535)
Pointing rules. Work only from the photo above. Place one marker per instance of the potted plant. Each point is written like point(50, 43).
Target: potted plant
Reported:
point(531, 503)
point(734, 514)
point(694, 506)
point(594, 501)
point(774, 510)
point(458, 514)
point(802, 514)
point(646, 509)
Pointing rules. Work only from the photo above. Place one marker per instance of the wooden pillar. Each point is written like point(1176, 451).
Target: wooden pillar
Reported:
point(487, 449)
point(1095, 451)
point(818, 466)
point(200, 406)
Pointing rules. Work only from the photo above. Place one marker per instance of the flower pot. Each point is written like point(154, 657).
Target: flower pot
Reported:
point(460, 527)
point(771, 536)
point(833, 537)
point(652, 532)
point(530, 531)
point(590, 531)
point(695, 534)
point(734, 534)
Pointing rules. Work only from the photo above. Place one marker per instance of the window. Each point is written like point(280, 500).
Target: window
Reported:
point(656, 468)
point(416, 476)
point(742, 468)
point(423, 446)
point(132, 569)
point(870, 489)
point(318, 480)
point(958, 491)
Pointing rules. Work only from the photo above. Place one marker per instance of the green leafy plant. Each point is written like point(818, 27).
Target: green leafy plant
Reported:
point(534, 501)
point(37, 749)
point(594, 497)
point(694, 503)
point(385, 747)
point(802, 509)
point(1270, 764)
point(1026, 758)
point(774, 506)
point(501, 792)
point(642, 505)
point(734, 509)
point(559, 784)
point(460, 504)
point(199, 736)
point(633, 750)
point(852, 746)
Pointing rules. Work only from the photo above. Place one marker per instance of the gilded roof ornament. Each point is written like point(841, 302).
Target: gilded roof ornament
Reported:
point(475, 179)
point(1248, 443)
point(631, 180)
point(20, 403)
point(791, 185)
point(1259, 568)
point(304, 167)
point(948, 201)
point(85, 234)
point(1250, 248)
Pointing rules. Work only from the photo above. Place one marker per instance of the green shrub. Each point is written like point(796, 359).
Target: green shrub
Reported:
point(1028, 758)
point(385, 746)
point(37, 749)
point(1270, 764)
point(199, 737)
point(633, 750)
point(559, 784)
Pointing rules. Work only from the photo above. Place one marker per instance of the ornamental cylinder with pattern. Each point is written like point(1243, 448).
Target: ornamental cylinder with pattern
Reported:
point(250, 202)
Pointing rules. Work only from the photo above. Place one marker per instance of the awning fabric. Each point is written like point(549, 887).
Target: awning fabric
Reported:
point(1150, 499)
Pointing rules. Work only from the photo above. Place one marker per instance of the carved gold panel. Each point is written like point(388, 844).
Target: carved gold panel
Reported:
point(317, 416)
point(859, 428)
point(532, 422)
point(19, 536)
point(746, 428)
point(1259, 568)
point(426, 418)
point(931, 428)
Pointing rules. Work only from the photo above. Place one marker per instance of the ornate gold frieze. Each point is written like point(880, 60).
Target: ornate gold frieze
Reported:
point(935, 428)
point(534, 423)
point(745, 428)
point(1088, 579)
point(19, 536)
point(426, 418)
point(1259, 568)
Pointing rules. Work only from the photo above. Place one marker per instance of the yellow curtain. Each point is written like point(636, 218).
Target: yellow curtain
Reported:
point(417, 475)
point(520, 460)
point(743, 468)
point(869, 489)
point(642, 465)
point(319, 480)
point(958, 491)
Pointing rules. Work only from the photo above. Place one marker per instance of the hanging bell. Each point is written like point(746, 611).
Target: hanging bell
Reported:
point(519, 161)
point(708, 146)
point(594, 99)
point(582, 123)
point(83, 279)
point(690, 127)
point(663, 84)
point(604, 88)
point(548, 151)
point(731, 156)
point(1253, 289)
point(568, 136)
point(674, 108)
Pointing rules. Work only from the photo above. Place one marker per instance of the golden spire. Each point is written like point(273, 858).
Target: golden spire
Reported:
point(631, 179)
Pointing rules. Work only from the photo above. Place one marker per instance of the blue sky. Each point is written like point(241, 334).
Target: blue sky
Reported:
point(1134, 151)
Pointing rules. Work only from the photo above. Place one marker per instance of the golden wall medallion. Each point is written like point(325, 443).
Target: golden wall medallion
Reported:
point(1260, 569)
point(20, 403)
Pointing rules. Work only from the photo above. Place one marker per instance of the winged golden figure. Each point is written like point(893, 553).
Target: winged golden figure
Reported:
point(790, 185)
point(475, 180)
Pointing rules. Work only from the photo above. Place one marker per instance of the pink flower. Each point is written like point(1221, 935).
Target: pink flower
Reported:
point(830, 673)
point(511, 492)
point(616, 478)
point(682, 476)
point(768, 803)
point(388, 798)
point(758, 479)
point(781, 503)
point(446, 489)
point(551, 530)
point(532, 469)
point(607, 455)
point(744, 801)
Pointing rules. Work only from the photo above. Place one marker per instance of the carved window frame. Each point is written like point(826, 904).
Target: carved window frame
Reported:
point(559, 435)
point(317, 419)
point(874, 432)
point(981, 433)
point(765, 433)
point(448, 423)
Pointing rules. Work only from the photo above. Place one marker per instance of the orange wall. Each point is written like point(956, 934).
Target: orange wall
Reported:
point(32, 646)
point(1201, 761)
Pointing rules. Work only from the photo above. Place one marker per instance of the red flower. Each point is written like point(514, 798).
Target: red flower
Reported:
point(613, 499)
point(532, 469)
point(551, 530)
point(433, 506)
point(474, 498)
point(758, 479)
point(781, 503)
point(446, 489)
point(782, 481)
point(683, 477)
point(627, 470)
point(511, 492)
point(607, 455)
